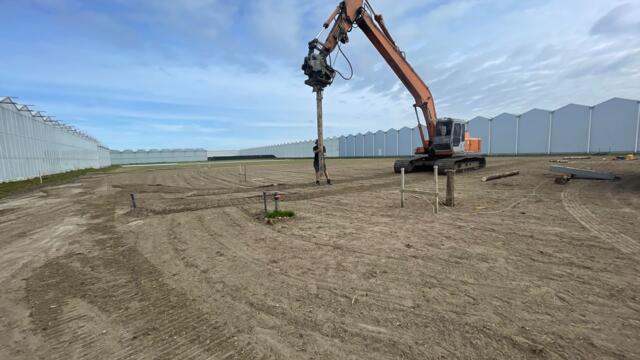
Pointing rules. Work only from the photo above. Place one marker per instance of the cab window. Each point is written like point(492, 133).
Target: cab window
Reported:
point(457, 134)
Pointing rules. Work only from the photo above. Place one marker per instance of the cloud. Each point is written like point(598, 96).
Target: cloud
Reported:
point(623, 19)
point(224, 74)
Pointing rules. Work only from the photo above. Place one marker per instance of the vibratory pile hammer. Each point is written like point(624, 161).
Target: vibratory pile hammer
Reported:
point(447, 143)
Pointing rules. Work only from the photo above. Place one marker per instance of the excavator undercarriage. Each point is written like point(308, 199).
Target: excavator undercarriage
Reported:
point(427, 163)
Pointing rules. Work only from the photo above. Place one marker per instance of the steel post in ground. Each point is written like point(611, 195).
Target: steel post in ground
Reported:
point(264, 199)
point(320, 132)
point(133, 201)
point(276, 199)
point(435, 177)
point(402, 187)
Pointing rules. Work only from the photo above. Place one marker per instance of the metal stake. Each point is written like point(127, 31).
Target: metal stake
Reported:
point(402, 188)
point(133, 201)
point(320, 134)
point(264, 199)
point(435, 176)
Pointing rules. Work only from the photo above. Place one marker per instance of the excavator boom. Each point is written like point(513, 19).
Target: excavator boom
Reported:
point(446, 144)
point(359, 12)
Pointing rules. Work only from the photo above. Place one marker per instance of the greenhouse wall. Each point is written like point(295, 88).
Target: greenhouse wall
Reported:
point(155, 156)
point(613, 125)
point(32, 145)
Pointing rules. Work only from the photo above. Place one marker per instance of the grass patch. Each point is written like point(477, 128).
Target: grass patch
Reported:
point(280, 214)
point(9, 188)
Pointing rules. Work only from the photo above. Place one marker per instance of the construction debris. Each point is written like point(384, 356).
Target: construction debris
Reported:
point(562, 179)
point(625, 157)
point(559, 161)
point(582, 173)
point(500, 176)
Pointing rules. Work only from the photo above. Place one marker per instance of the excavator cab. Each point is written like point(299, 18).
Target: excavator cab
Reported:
point(450, 137)
point(453, 149)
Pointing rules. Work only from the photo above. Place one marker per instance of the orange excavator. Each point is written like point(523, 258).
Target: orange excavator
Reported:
point(448, 144)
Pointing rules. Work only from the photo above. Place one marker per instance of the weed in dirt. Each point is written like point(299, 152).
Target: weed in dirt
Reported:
point(280, 214)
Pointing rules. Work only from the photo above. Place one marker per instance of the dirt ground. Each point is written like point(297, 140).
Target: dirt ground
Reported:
point(521, 268)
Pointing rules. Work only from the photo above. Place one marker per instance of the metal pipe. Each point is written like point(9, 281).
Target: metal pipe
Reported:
point(402, 188)
point(435, 175)
point(320, 133)
point(320, 33)
point(264, 199)
point(637, 128)
point(133, 201)
point(550, 126)
point(589, 130)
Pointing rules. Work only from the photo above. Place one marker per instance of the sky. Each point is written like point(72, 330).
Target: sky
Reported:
point(223, 74)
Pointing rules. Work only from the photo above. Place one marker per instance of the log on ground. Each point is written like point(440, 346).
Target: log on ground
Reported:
point(500, 176)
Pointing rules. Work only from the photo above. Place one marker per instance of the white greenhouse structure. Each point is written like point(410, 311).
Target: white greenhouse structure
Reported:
point(155, 156)
point(611, 126)
point(32, 145)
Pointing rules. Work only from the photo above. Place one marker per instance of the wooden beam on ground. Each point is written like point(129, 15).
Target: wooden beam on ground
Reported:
point(582, 173)
point(500, 176)
point(577, 157)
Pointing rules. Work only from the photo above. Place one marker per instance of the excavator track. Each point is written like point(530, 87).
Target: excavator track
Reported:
point(400, 164)
point(458, 163)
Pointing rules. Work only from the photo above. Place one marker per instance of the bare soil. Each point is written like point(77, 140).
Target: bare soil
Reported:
point(521, 268)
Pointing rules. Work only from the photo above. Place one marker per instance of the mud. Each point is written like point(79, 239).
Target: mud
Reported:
point(521, 268)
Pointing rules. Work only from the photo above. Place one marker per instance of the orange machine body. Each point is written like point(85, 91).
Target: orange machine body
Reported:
point(472, 145)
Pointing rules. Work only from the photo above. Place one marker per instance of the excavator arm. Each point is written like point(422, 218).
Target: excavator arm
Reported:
point(359, 12)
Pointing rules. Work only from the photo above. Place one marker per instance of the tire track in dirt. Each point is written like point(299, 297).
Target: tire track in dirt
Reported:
point(605, 232)
point(244, 298)
point(152, 320)
point(159, 322)
point(398, 300)
point(229, 241)
point(629, 203)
